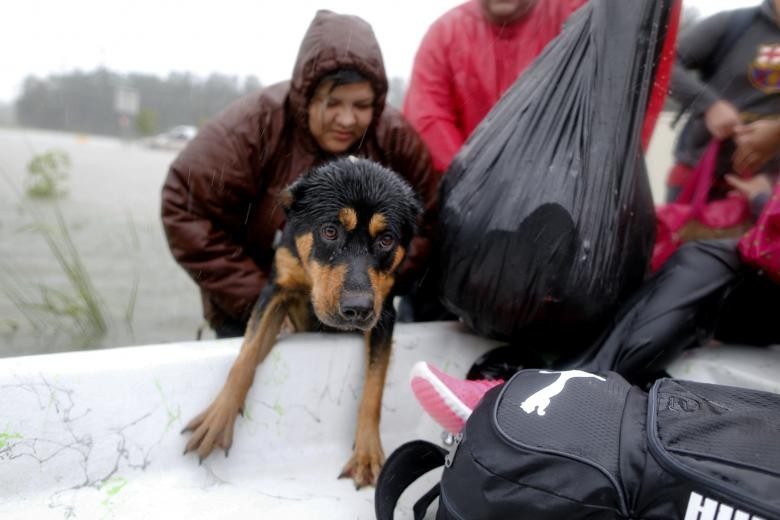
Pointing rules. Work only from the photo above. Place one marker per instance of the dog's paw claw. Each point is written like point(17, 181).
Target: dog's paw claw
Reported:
point(362, 473)
point(345, 473)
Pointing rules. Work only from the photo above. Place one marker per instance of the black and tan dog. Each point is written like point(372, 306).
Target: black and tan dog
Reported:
point(349, 224)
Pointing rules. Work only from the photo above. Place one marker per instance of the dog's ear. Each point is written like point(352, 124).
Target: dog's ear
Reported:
point(292, 194)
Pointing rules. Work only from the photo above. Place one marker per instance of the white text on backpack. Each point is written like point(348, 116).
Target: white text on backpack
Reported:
point(702, 508)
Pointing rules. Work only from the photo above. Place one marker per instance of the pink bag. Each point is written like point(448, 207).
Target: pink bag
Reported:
point(760, 247)
point(692, 205)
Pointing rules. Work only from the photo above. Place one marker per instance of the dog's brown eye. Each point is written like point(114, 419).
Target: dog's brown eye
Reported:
point(386, 241)
point(329, 232)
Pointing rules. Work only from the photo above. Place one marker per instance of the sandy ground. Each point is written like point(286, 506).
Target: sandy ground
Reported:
point(112, 183)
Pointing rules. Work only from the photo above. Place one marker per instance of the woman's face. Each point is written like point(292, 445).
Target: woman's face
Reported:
point(340, 117)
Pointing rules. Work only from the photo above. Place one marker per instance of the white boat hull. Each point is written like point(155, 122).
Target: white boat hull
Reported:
point(96, 434)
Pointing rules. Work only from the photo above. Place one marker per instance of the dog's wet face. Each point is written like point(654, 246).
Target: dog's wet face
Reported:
point(351, 269)
point(351, 223)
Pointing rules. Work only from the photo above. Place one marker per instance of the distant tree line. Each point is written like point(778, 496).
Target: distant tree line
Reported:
point(85, 101)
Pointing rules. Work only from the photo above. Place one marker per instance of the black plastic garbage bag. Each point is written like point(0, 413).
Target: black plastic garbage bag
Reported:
point(547, 218)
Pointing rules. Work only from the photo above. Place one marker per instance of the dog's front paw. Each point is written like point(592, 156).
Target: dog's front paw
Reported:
point(366, 462)
point(213, 428)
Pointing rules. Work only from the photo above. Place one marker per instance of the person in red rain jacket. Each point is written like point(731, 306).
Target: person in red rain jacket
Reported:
point(468, 58)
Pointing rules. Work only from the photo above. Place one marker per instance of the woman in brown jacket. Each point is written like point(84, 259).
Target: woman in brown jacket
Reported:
point(219, 201)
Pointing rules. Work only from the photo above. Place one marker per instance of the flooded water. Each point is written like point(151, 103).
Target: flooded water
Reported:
point(111, 209)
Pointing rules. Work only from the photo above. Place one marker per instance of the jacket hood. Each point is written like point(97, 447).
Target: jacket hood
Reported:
point(332, 42)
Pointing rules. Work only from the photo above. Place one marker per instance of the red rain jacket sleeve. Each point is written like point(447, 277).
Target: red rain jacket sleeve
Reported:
point(429, 105)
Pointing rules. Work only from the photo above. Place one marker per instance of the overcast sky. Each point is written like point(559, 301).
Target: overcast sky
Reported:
point(235, 37)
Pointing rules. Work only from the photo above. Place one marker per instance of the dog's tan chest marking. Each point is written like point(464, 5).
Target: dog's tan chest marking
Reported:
point(348, 218)
point(290, 273)
point(377, 224)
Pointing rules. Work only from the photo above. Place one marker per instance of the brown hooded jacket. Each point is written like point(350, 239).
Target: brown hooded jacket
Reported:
point(220, 207)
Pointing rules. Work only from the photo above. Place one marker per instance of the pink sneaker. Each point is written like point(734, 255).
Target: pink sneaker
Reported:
point(448, 400)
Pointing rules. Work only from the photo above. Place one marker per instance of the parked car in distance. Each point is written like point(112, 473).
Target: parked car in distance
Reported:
point(174, 139)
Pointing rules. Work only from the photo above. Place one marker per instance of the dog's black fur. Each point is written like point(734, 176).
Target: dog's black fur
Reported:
point(349, 225)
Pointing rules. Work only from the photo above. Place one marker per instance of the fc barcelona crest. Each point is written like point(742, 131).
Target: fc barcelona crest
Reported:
point(764, 72)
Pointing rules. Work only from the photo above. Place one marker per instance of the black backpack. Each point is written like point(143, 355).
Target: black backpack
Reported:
point(573, 445)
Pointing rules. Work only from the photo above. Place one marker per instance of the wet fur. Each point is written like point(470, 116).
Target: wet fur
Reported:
point(322, 284)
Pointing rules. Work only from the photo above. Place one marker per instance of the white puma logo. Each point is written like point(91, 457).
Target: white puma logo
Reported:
point(541, 399)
